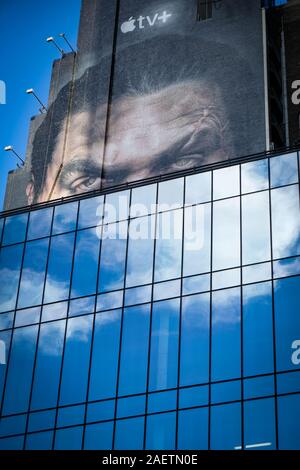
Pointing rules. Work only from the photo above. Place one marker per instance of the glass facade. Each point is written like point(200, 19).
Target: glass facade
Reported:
point(161, 317)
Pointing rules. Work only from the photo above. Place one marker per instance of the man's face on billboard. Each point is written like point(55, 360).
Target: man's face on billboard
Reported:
point(180, 126)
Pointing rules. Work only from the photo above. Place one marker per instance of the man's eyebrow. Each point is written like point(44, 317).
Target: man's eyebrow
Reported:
point(85, 166)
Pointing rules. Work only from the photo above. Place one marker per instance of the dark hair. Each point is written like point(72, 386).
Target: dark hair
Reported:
point(148, 67)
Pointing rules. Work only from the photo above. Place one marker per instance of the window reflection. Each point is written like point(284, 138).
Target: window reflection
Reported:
point(170, 193)
point(14, 229)
point(226, 334)
point(33, 273)
point(48, 364)
point(284, 170)
point(143, 200)
point(86, 260)
point(98, 436)
point(259, 419)
point(90, 212)
point(105, 355)
point(256, 228)
point(116, 207)
point(285, 221)
point(59, 268)
point(226, 234)
point(194, 352)
point(130, 434)
point(255, 176)
point(258, 329)
point(76, 360)
point(198, 188)
point(193, 429)
point(161, 431)
point(226, 427)
point(20, 369)
point(65, 217)
point(68, 439)
point(134, 355)
point(113, 257)
point(10, 264)
point(164, 345)
point(226, 182)
point(40, 223)
point(288, 422)
point(39, 441)
point(168, 245)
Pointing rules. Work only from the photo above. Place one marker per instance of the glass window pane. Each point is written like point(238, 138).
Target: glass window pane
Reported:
point(226, 182)
point(131, 406)
point(39, 441)
point(15, 229)
point(20, 369)
point(6, 320)
point(70, 415)
point(163, 401)
point(12, 425)
point(110, 301)
point(288, 382)
point(164, 345)
point(168, 245)
point(134, 355)
point(1, 228)
point(193, 429)
point(130, 434)
point(197, 239)
point(198, 188)
point(143, 200)
point(194, 353)
point(10, 264)
point(165, 290)
point(105, 355)
point(287, 321)
point(193, 396)
point(226, 234)
point(226, 334)
point(41, 421)
point(140, 251)
point(76, 360)
point(90, 212)
point(259, 424)
point(5, 338)
point(59, 268)
point(226, 391)
point(33, 273)
point(116, 207)
point(85, 269)
point(113, 257)
point(285, 222)
point(196, 284)
point(98, 436)
point(101, 411)
point(161, 431)
point(12, 443)
point(48, 364)
point(255, 176)
point(55, 311)
point(226, 427)
point(257, 273)
point(28, 316)
point(68, 439)
point(259, 387)
point(258, 356)
point(256, 228)
point(228, 278)
point(65, 217)
point(40, 223)
point(284, 170)
point(170, 194)
point(288, 422)
point(82, 306)
point(138, 295)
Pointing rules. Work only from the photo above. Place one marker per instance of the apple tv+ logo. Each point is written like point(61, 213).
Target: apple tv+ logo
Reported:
point(144, 21)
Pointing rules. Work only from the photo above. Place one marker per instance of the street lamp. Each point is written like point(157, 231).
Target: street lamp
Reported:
point(31, 91)
point(52, 40)
point(9, 148)
point(62, 35)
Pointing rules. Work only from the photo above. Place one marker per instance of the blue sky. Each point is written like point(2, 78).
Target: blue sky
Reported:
point(26, 62)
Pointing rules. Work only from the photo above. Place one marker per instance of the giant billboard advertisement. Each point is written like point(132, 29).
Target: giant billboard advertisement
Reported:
point(157, 86)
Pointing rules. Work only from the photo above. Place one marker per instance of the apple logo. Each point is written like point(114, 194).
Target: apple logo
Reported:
point(128, 26)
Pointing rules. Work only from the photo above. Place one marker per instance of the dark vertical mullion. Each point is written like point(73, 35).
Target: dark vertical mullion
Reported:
point(93, 327)
point(273, 302)
point(39, 329)
point(156, 215)
point(180, 311)
point(210, 308)
point(122, 322)
point(242, 311)
point(14, 320)
point(66, 327)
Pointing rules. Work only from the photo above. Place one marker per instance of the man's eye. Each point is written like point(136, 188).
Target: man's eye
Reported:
point(85, 183)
